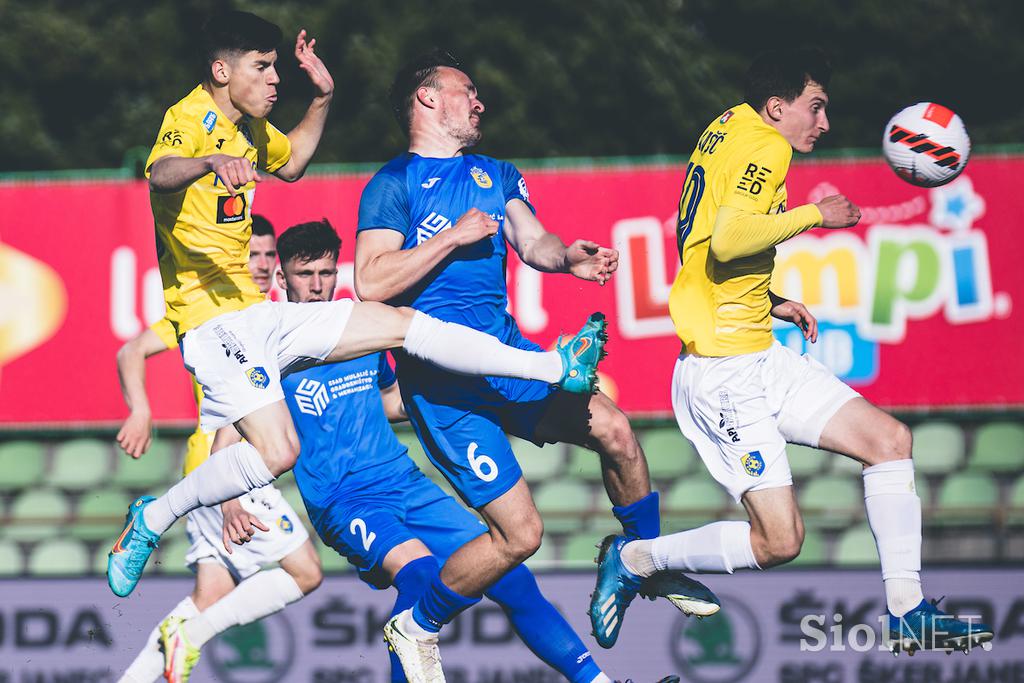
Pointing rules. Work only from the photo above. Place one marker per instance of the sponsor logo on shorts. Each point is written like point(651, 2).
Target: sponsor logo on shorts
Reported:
point(258, 377)
point(231, 344)
point(481, 178)
point(209, 121)
point(286, 524)
point(727, 420)
point(753, 463)
point(231, 209)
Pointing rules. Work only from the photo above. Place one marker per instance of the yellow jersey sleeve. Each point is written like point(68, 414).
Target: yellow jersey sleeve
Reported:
point(165, 330)
point(276, 149)
point(758, 175)
point(178, 136)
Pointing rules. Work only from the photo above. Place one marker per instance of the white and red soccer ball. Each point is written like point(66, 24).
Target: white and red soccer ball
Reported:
point(926, 144)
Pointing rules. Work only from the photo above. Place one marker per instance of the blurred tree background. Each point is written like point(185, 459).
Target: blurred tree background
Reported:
point(83, 83)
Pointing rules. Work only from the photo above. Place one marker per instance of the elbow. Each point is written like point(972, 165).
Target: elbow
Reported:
point(722, 252)
point(368, 290)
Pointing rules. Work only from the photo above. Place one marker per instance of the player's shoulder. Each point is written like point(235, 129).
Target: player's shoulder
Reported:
point(749, 131)
point(484, 160)
point(195, 107)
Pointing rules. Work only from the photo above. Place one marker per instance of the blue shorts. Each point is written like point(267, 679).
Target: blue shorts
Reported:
point(462, 421)
point(377, 511)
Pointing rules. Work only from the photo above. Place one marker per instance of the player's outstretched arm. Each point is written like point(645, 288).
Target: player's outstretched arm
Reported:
point(384, 270)
point(305, 137)
point(136, 433)
point(545, 251)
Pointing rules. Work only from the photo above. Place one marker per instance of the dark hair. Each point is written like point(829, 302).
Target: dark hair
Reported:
point(421, 71)
point(261, 227)
point(785, 74)
point(308, 242)
point(235, 32)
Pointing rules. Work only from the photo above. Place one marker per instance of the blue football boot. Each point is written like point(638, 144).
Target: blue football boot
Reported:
point(581, 354)
point(926, 627)
point(130, 553)
point(616, 588)
point(690, 596)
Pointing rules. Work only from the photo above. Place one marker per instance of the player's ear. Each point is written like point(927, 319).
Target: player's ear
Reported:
point(281, 282)
point(773, 108)
point(427, 96)
point(220, 71)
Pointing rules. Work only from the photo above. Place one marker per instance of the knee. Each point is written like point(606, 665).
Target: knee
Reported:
point(309, 577)
point(523, 541)
point(778, 548)
point(897, 442)
point(614, 435)
point(281, 458)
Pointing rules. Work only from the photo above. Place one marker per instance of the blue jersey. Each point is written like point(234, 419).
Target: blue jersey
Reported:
point(340, 421)
point(420, 197)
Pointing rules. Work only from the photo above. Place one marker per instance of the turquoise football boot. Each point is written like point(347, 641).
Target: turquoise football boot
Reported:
point(581, 354)
point(691, 597)
point(926, 627)
point(130, 553)
point(616, 588)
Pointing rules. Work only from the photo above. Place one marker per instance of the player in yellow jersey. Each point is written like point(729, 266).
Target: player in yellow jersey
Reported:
point(216, 603)
point(739, 396)
point(202, 174)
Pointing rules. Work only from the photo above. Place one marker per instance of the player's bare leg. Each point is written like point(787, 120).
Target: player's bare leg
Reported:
point(883, 445)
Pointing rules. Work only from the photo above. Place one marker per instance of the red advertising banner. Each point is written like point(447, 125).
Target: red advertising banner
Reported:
point(916, 303)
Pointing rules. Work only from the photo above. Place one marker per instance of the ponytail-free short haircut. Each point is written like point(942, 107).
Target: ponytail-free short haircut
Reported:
point(785, 74)
point(261, 227)
point(421, 71)
point(308, 242)
point(232, 33)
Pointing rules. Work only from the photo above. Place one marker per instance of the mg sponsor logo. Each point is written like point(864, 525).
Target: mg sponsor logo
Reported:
point(430, 226)
point(311, 397)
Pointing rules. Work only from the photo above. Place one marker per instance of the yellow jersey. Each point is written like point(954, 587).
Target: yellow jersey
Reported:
point(203, 232)
point(721, 307)
point(197, 450)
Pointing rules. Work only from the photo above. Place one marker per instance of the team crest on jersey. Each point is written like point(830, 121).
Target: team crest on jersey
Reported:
point(286, 524)
point(258, 377)
point(481, 178)
point(725, 117)
point(753, 463)
point(209, 121)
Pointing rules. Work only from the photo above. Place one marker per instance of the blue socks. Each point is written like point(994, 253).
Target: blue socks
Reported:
point(641, 519)
point(439, 605)
point(411, 582)
point(541, 627)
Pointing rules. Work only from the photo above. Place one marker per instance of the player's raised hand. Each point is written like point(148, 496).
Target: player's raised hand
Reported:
point(313, 65)
point(590, 261)
point(234, 172)
point(136, 434)
point(239, 524)
point(796, 313)
point(838, 212)
point(475, 225)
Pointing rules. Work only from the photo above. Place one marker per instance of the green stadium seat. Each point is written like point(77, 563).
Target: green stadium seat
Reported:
point(99, 557)
point(813, 552)
point(1015, 505)
point(843, 466)
point(157, 466)
point(37, 514)
point(584, 464)
point(856, 547)
point(80, 464)
point(831, 500)
point(59, 557)
point(669, 454)
point(805, 461)
point(999, 447)
point(170, 556)
point(100, 515)
point(22, 464)
point(538, 463)
point(692, 502)
point(544, 558)
point(580, 550)
point(938, 448)
point(407, 437)
point(10, 558)
point(563, 504)
point(331, 561)
point(602, 522)
point(967, 498)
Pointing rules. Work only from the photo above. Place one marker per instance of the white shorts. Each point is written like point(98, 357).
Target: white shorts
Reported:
point(740, 411)
point(239, 357)
point(205, 531)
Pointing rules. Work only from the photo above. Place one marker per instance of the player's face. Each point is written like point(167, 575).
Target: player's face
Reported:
point(804, 120)
point(306, 281)
point(253, 83)
point(262, 257)
point(460, 106)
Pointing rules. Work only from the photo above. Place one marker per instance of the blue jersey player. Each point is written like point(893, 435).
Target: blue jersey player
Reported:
point(435, 226)
point(366, 497)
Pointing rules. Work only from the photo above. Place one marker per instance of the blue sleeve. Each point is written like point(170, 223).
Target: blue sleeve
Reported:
point(385, 375)
point(384, 204)
point(513, 184)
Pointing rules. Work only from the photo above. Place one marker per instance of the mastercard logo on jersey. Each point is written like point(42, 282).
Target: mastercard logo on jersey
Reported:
point(231, 209)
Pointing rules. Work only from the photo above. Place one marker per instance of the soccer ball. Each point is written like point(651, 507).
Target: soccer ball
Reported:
point(926, 144)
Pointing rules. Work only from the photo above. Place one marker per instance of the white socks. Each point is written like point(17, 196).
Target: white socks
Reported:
point(268, 591)
point(226, 474)
point(601, 678)
point(894, 514)
point(458, 348)
point(713, 548)
point(149, 665)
